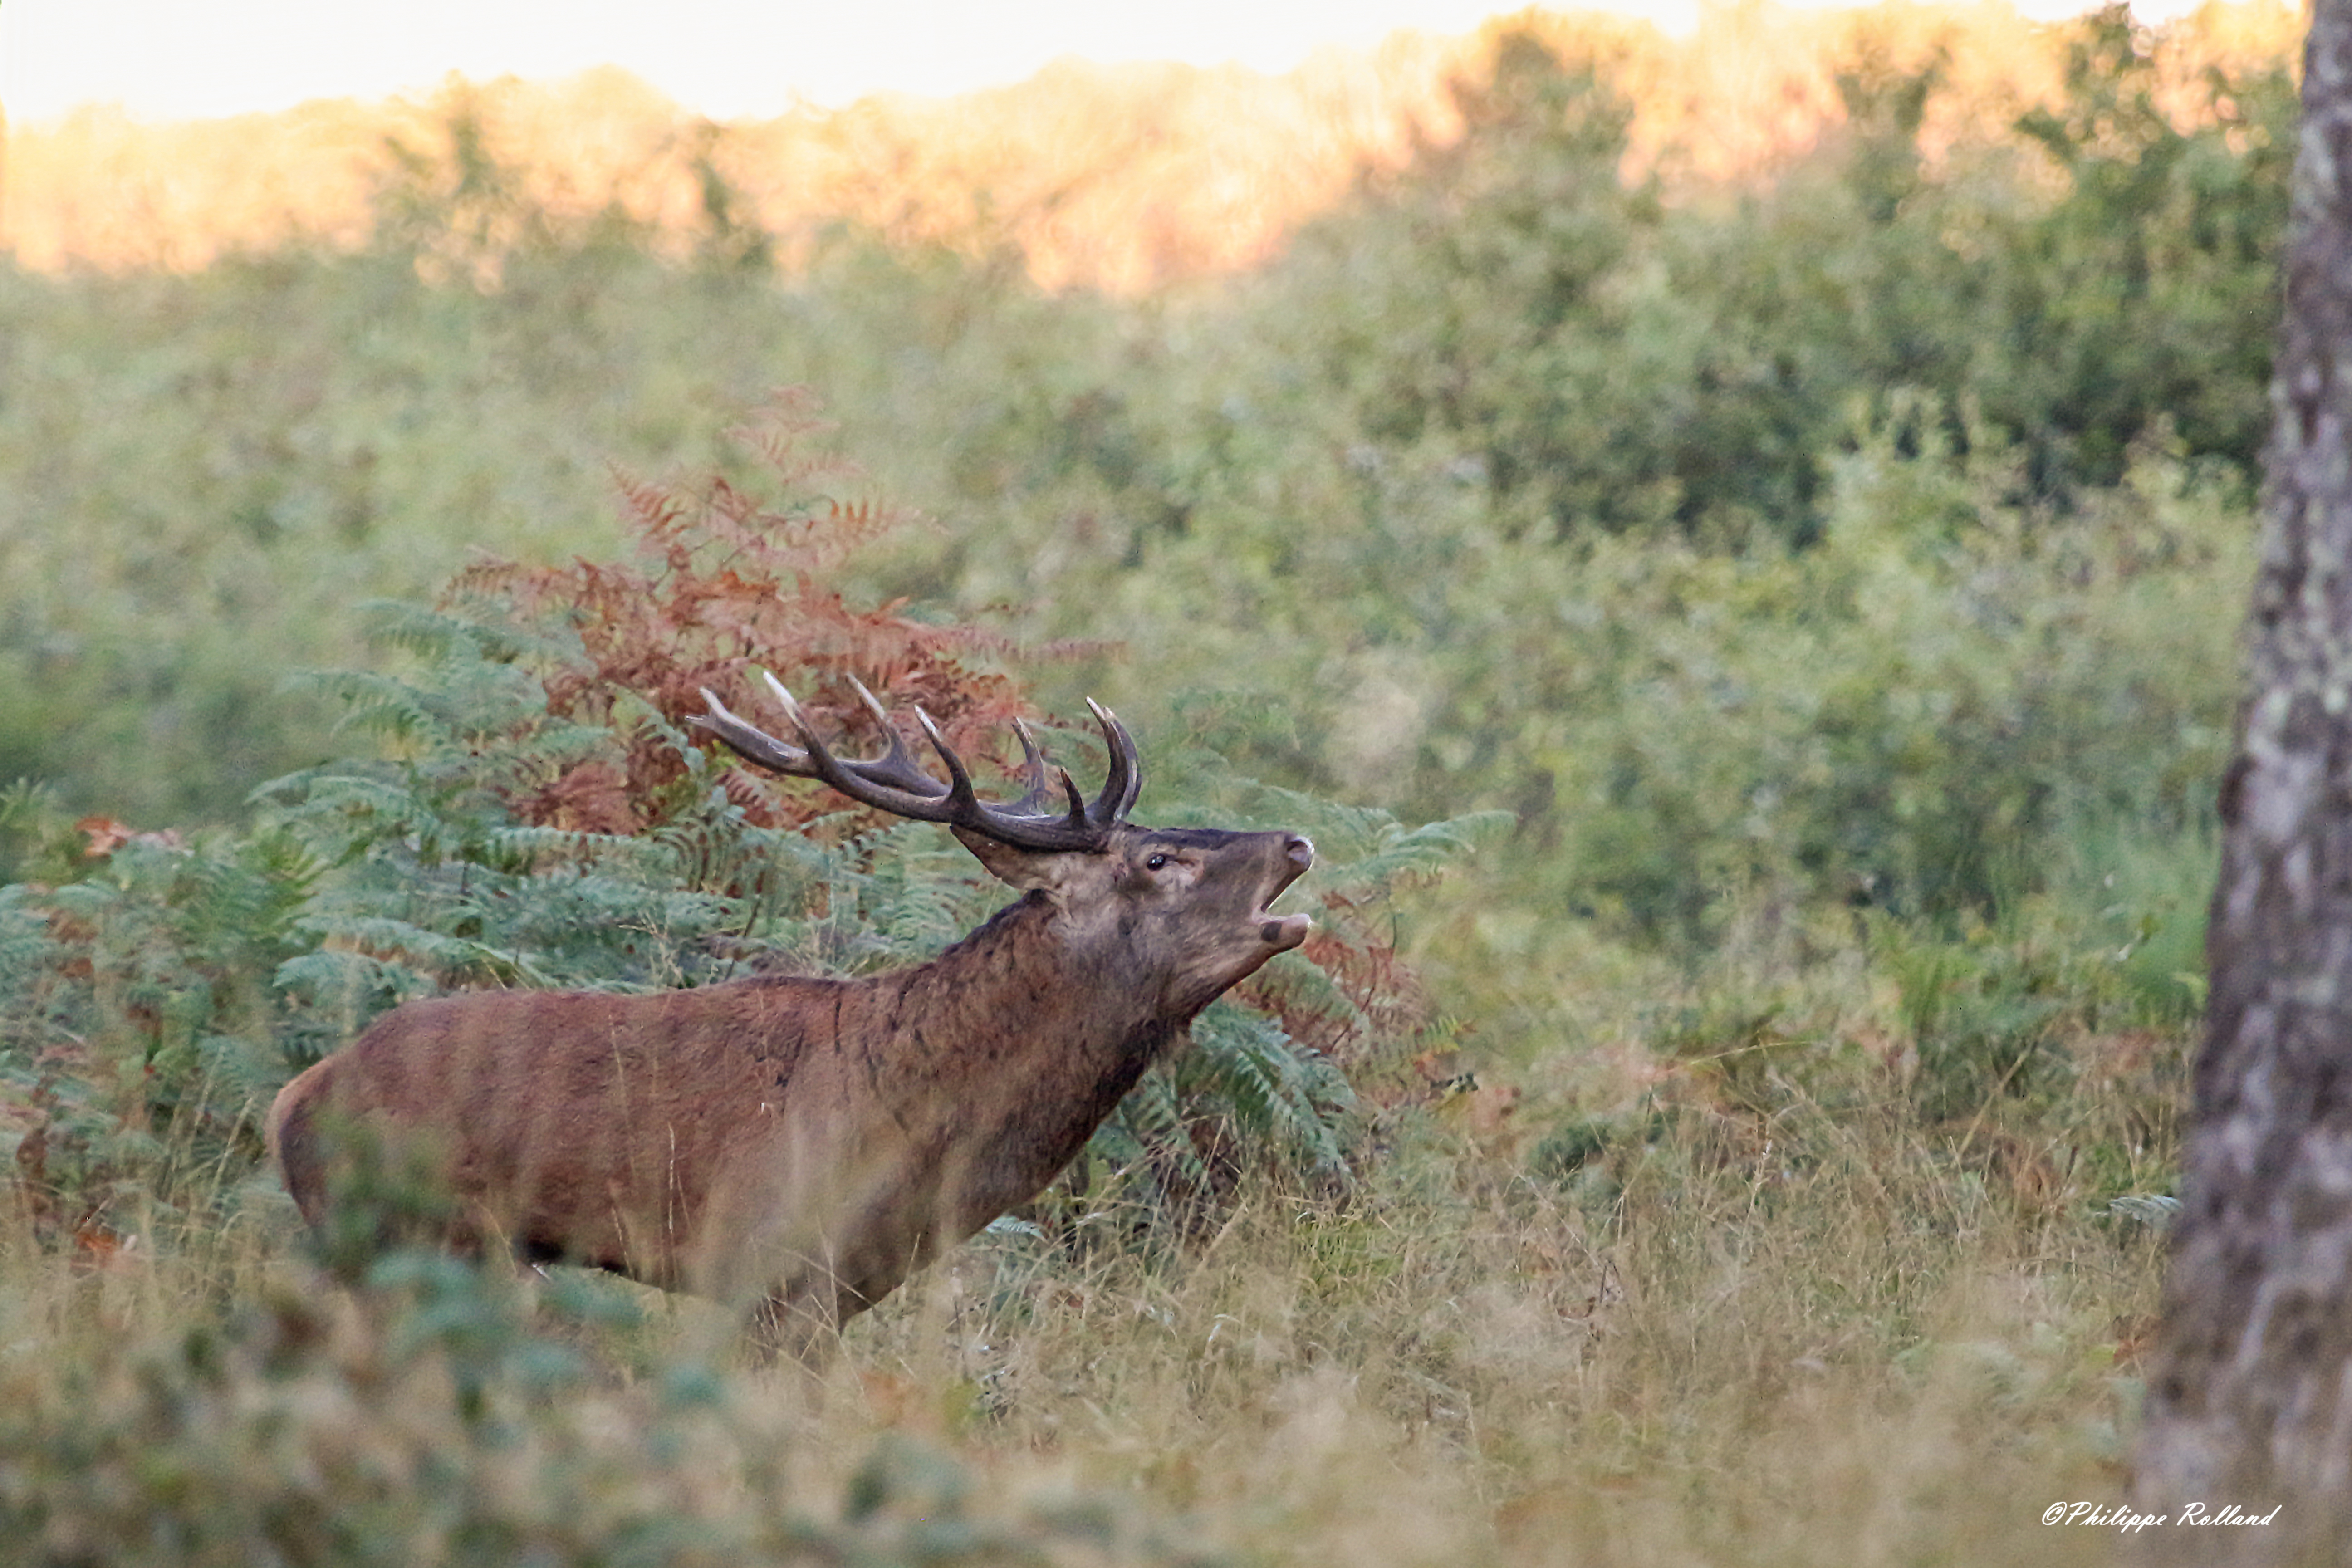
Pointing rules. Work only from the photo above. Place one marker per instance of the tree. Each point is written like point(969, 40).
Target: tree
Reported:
point(2249, 1401)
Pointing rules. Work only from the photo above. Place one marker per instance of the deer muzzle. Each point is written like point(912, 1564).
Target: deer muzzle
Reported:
point(1283, 933)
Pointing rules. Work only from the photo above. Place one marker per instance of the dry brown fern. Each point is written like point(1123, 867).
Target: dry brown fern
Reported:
point(724, 583)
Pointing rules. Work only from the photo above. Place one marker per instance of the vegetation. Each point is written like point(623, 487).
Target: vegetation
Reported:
point(1736, 1127)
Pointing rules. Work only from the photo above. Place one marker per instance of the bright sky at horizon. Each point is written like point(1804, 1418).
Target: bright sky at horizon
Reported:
point(167, 59)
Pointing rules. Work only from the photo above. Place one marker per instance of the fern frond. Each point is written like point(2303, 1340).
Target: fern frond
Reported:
point(437, 635)
point(1154, 1119)
point(338, 977)
point(1398, 855)
point(26, 948)
point(251, 1069)
point(340, 811)
point(524, 843)
point(382, 705)
point(460, 958)
point(1114, 1143)
point(1272, 1089)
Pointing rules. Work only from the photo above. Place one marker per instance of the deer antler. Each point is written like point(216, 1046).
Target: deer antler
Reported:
point(893, 783)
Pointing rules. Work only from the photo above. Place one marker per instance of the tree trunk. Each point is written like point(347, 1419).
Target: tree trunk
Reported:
point(2249, 1401)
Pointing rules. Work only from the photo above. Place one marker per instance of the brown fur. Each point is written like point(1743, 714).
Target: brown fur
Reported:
point(800, 1145)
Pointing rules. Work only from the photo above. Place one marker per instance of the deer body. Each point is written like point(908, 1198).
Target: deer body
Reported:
point(800, 1145)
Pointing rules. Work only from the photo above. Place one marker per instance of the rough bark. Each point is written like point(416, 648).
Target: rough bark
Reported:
point(2249, 1401)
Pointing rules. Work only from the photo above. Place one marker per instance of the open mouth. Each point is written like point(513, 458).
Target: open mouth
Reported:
point(1283, 933)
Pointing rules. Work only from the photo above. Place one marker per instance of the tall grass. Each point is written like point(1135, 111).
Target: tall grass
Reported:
point(1810, 1336)
point(1764, 1263)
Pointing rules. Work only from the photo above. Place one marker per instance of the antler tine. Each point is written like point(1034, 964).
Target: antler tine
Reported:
point(890, 782)
point(785, 700)
point(1078, 802)
point(894, 769)
point(1010, 826)
point(1039, 796)
point(1037, 790)
point(751, 742)
point(896, 766)
point(883, 782)
point(893, 783)
point(873, 704)
point(959, 791)
point(1124, 780)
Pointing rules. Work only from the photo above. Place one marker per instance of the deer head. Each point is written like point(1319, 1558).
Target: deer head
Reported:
point(1202, 893)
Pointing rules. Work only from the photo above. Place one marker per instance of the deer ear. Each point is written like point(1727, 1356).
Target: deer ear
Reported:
point(1028, 869)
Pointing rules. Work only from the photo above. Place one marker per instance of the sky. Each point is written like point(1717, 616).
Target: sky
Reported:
point(170, 60)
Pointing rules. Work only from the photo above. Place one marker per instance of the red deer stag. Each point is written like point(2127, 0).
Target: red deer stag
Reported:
point(797, 1146)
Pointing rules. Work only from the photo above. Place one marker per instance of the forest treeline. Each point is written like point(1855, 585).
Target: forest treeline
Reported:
point(1125, 177)
point(1828, 535)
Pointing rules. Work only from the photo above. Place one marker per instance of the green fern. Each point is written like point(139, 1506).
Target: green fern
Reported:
point(441, 635)
point(1147, 1137)
point(1280, 1096)
point(25, 953)
point(531, 818)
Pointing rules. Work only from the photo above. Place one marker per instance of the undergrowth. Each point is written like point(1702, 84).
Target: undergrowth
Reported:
point(1836, 1240)
point(539, 813)
point(1822, 1335)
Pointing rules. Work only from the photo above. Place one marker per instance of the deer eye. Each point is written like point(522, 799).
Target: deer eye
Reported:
point(1157, 862)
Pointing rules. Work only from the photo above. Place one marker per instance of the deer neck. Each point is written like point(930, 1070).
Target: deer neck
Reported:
point(1018, 990)
point(1025, 1043)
